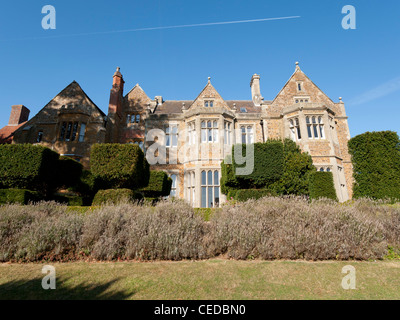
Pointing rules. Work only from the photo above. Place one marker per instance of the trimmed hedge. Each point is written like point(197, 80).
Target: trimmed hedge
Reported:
point(115, 196)
point(116, 165)
point(20, 196)
point(376, 165)
point(159, 185)
point(279, 166)
point(268, 163)
point(26, 166)
point(321, 185)
point(246, 194)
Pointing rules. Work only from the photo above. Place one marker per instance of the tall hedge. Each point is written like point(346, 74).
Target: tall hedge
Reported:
point(268, 163)
point(159, 185)
point(279, 166)
point(376, 165)
point(26, 166)
point(321, 185)
point(116, 165)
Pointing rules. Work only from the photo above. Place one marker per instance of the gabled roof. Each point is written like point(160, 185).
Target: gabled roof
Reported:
point(298, 70)
point(209, 87)
point(73, 92)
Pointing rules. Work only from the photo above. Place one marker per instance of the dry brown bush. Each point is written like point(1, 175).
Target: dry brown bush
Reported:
point(268, 228)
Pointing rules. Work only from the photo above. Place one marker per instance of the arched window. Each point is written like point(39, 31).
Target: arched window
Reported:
point(209, 131)
point(321, 128)
point(210, 189)
point(322, 169)
point(137, 118)
point(315, 127)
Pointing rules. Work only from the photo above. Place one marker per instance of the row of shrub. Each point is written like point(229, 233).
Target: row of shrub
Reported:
point(280, 168)
point(268, 228)
point(29, 173)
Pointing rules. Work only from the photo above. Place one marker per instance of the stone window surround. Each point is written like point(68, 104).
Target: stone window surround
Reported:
point(75, 132)
point(214, 130)
point(209, 101)
point(190, 186)
point(207, 186)
point(169, 133)
point(296, 127)
point(320, 125)
point(246, 125)
point(297, 99)
point(301, 86)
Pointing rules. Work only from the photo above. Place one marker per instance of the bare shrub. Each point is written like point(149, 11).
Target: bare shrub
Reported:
point(41, 231)
point(268, 228)
point(168, 231)
point(292, 228)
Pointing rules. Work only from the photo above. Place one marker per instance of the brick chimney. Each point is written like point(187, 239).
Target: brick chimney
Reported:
point(19, 114)
point(255, 90)
point(114, 117)
point(116, 94)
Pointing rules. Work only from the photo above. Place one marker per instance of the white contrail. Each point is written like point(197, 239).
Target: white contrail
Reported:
point(159, 28)
point(378, 92)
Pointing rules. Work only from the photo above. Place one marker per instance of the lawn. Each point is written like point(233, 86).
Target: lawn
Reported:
point(209, 279)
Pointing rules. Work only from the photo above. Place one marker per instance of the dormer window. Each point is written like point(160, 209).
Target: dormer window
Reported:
point(243, 110)
point(209, 103)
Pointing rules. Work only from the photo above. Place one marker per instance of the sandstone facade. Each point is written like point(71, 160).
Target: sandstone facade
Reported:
point(189, 139)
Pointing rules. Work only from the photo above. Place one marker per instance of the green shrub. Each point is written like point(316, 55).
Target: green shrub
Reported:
point(268, 163)
point(159, 185)
point(376, 165)
point(116, 165)
point(20, 196)
point(27, 166)
point(115, 196)
point(246, 194)
point(86, 185)
point(295, 178)
point(279, 166)
point(69, 172)
point(321, 185)
point(232, 194)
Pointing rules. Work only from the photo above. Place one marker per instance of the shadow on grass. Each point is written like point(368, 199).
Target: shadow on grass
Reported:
point(32, 290)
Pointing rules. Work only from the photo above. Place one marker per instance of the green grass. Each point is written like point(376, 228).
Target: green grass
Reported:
point(211, 279)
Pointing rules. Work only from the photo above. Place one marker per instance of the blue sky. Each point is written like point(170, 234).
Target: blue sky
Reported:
point(362, 65)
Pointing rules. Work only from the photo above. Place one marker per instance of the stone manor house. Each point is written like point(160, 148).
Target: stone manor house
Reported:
point(197, 134)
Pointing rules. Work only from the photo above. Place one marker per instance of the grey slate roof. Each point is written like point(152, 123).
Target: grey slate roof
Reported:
point(175, 106)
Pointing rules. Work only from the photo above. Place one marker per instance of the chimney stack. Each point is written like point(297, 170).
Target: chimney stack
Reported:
point(19, 114)
point(255, 89)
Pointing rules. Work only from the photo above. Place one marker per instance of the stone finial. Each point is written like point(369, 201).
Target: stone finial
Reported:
point(234, 106)
point(340, 100)
point(209, 79)
point(183, 106)
point(297, 65)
